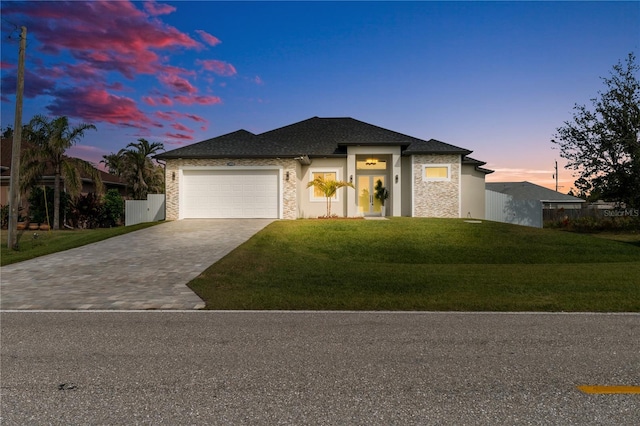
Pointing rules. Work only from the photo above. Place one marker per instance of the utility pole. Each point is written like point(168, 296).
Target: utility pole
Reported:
point(14, 183)
point(556, 175)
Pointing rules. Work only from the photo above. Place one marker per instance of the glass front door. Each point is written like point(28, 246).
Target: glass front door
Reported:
point(368, 205)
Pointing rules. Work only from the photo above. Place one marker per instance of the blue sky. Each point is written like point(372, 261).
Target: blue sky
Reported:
point(495, 77)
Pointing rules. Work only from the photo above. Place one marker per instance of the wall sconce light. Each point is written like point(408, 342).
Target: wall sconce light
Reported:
point(396, 178)
point(286, 176)
point(351, 179)
point(173, 176)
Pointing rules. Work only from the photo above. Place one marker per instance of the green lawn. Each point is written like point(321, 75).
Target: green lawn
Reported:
point(424, 264)
point(38, 243)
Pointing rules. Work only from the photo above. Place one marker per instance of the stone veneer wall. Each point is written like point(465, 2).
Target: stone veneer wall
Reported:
point(289, 208)
point(436, 199)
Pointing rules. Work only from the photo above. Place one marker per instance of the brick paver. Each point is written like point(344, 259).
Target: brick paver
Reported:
point(146, 269)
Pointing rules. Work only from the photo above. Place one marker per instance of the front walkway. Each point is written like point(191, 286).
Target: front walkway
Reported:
point(146, 269)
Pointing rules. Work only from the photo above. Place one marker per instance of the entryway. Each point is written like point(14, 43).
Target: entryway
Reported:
point(368, 204)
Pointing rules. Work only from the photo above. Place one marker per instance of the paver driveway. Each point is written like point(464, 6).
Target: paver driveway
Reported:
point(146, 269)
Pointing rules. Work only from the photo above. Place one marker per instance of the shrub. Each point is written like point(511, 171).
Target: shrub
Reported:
point(4, 216)
point(38, 208)
point(85, 211)
point(112, 209)
point(591, 224)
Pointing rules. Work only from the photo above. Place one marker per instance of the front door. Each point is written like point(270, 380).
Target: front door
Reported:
point(368, 205)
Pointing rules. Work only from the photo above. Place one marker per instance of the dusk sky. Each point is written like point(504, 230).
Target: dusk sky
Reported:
point(497, 78)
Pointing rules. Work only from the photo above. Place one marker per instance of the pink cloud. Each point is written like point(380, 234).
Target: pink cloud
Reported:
point(171, 115)
point(103, 41)
point(38, 85)
point(97, 105)
point(179, 136)
point(196, 118)
point(155, 9)
point(164, 115)
point(200, 100)
point(218, 67)
point(258, 80)
point(80, 71)
point(116, 86)
point(157, 100)
point(178, 84)
point(149, 100)
point(109, 35)
point(208, 38)
point(182, 128)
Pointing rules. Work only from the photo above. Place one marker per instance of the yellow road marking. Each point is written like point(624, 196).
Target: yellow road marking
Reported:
point(609, 389)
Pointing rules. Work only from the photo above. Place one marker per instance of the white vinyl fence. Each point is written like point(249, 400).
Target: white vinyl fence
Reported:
point(504, 208)
point(141, 211)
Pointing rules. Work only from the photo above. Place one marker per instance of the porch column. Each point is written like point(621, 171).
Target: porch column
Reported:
point(396, 184)
point(351, 194)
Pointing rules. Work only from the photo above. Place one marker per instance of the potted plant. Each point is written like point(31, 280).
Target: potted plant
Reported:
point(381, 193)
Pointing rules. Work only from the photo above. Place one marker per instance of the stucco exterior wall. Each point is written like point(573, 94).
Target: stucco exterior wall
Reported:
point(310, 208)
point(174, 169)
point(473, 192)
point(436, 198)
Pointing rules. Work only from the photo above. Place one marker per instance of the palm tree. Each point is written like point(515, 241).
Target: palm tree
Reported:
point(144, 175)
point(116, 164)
point(328, 188)
point(48, 140)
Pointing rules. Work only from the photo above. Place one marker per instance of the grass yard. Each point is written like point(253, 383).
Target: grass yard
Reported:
point(39, 243)
point(424, 264)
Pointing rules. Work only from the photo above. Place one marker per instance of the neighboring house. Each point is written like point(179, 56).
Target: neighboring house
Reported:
point(6, 148)
point(245, 175)
point(522, 203)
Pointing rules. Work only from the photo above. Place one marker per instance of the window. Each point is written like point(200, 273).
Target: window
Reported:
point(436, 172)
point(317, 194)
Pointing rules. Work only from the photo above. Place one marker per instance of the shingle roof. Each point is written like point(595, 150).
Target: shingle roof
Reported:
point(530, 191)
point(314, 137)
point(477, 163)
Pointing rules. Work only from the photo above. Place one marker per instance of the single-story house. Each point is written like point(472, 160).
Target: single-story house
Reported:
point(549, 198)
point(246, 175)
point(524, 203)
point(6, 148)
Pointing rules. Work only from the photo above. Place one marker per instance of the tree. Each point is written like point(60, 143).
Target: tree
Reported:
point(115, 163)
point(328, 188)
point(603, 145)
point(112, 208)
point(48, 140)
point(134, 165)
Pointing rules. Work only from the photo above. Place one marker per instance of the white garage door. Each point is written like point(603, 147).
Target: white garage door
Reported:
point(230, 194)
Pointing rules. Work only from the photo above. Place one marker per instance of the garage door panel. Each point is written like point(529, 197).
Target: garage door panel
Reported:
point(230, 194)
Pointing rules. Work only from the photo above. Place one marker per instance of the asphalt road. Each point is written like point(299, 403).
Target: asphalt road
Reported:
point(316, 368)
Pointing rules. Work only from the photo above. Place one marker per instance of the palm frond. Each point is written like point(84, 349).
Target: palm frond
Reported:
point(72, 178)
